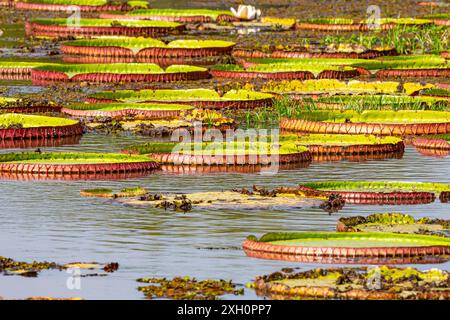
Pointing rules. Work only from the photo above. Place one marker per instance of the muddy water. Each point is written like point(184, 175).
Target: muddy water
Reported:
point(48, 220)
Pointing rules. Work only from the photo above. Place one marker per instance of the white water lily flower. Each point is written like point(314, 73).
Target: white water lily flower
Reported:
point(246, 12)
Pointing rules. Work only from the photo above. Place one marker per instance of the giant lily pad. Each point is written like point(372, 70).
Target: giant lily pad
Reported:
point(404, 122)
point(18, 70)
point(202, 98)
point(82, 5)
point(17, 126)
point(223, 153)
point(283, 71)
point(145, 49)
point(120, 110)
point(116, 73)
point(326, 144)
point(74, 165)
point(87, 27)
point(363, 247)
point(383, 192)
point(179, 15)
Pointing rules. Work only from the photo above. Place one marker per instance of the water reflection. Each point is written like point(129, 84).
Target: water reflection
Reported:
point(48, 220)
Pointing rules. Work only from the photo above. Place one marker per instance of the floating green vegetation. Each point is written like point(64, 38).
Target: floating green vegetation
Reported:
point(9, 266)
point(397, 275)
point(331, 86)
point(352, 240)
point(137, 44)
point(187, 288)
point(179, 95)
point(5, 101)
point(209, 118)
point(388, 62)
point(71, 158)
point(377, 186)
point(394, 222)
point(88, 22)
point(109, 193)
point(282, 22)
point(378, 283)
point(128, 106)
point(374, 116)
point(213, 14)
point(137, 4)
point(405, 62)
point(338, 139)
point(119, 68)
point(17, 120)
point(217, 148)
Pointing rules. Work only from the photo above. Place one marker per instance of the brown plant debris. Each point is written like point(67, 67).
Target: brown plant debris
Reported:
point(187, 288)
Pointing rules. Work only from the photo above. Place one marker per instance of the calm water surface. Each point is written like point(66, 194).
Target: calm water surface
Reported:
point(48, 220)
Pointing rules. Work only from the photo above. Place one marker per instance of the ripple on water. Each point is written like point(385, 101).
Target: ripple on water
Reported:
point(48, 220)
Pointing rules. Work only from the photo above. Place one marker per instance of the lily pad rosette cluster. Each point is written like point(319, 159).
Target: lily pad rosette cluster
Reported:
point(73, 165)
point(223, 153)
point(144, 49)
point(113, 73)
point(14, 126)
point(379, 283)
point(360, 247)
point(82, 5)
point(200, 98)
point(88, 27)
point(392, 123)
point(176, 15)
point(383, 192)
